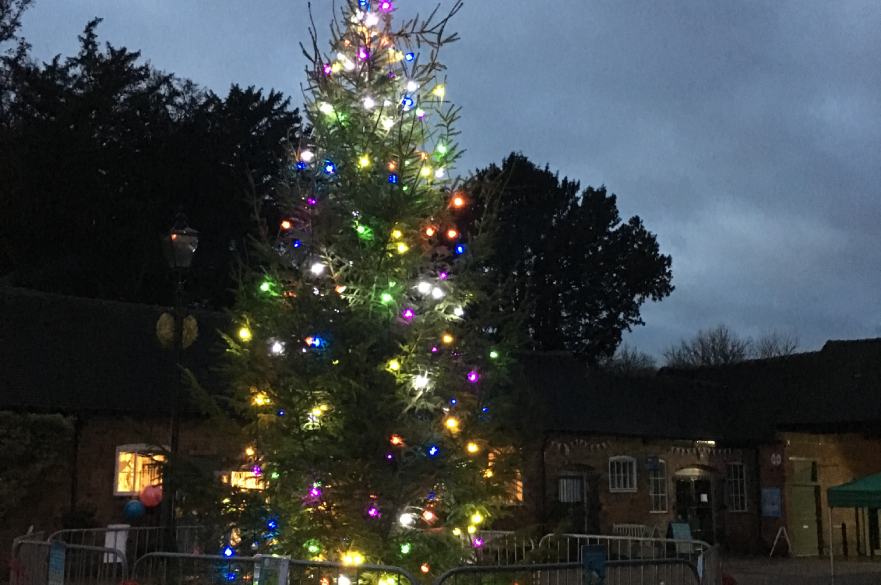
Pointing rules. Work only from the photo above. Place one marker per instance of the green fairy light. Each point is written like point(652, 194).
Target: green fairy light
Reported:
point(386, 298)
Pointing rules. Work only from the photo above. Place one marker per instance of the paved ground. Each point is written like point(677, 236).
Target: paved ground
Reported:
point(802, 571)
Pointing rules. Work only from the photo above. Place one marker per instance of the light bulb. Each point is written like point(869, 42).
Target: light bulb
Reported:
point(452, 233)
point(457, 532)
point(249, 451)
point(397, 234)
point(420, 382)
point(441, 148)
point(472, 529)
point(412, 86)
point(407, 519)
point(425, 171)
point(286, 224)
point(439, 173)
point(473, 376)
point(406, 547)
point(458, 201)
point(493, 355)
point(348, 65)
point(402, 248)
point(396, 440)
point(317, 268)
point(428, 516)
point(260, 399)
point(394, 365)
point(385, 298)
point(369, 103)
point(420, 113)
point(476, 518)
point(423, 287)
point(245, 334)
point(363, 161)
point(437, 293)
point(452, 424)
point(472, 447)
point(425, 568)
point(430, 231)
point(459, 312)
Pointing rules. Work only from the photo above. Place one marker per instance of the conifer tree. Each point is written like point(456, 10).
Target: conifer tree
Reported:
point(372, 394)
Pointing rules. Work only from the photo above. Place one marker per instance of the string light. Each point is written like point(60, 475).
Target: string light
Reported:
point(394, 365)
point(326, 109)
point(396, 440)
point(369, 103)
point(425, 568)
point(312, 546)
point(459, 312)
point(329, 167)
point(412, 86)
point(260, 399)
point(423, 287)
point(317, 268)
point(493, 355)
point(386, 298)
point(307, 155)
point(460, 249)
point(458, 201)
point(408, 314)
point(452, 234)
point(286, 224)
point(452, 424)
point(250, 452)
point(472, 447)
point(407, 519)
point(386, 6)
point(447, 339)
point(476, 518)
point(433, 450)
point(420, 113)
point(387, 123)
point(471, 529)
point(440, 91)
point(245, 334)
point(430, 231)
point(393, 179)
point(425, 171)
point(402, 248)
point(437, 293)
point(363, 161)
point(397, 234)
point(371, 20)
point(420, 382)
point(457, 532)
point(352, 558)
point(473, 376)
point(429, 516)
point(406, 547)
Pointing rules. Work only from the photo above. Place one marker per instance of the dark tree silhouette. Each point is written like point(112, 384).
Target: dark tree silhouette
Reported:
point(99, 151)
point(720, 345)
point(578, 271)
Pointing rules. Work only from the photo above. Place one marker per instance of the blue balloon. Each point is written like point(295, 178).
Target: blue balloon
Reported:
point(133, 510)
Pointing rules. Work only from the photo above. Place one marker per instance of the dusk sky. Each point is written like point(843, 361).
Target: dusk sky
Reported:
point(746, 134)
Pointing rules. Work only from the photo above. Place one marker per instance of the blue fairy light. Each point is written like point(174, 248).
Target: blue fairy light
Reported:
point(408, 102)
point(272, 524)
point(453, 401)
point(231, 576)
point(329, 167)
point(227, 551)
point(296, 243)
point(485, 409)
point(281, 412)
point(302, 165)
point(316, 341)
point(433, 450)
point(409, 57)
point(364, 4)
point(393, 179)
point(460, 249)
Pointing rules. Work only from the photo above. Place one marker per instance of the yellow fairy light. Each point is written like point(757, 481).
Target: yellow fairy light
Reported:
point(440, 91)
point(447, 339)
point(336, 67)
point(457, 532)
point(352, 558)
point(325, 108)
point(260, 399)
point(402, 248)
point(472, 529)
point(245, 334)
point(397, 234)
point(488, 473)
point(452, 424)
point(364, 161)
point(425, 171)
point(317, 411)
point(472, 447)
point(250, 452)
point(476, 518)
point(394, 365)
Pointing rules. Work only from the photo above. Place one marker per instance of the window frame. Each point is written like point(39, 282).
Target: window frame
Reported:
point(662, 481)
point(736, 486)
point(138, 450)
point(631, 463)
point(572, 475)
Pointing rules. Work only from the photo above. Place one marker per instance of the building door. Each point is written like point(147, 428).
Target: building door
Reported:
point(803, 523)
point(694, 504)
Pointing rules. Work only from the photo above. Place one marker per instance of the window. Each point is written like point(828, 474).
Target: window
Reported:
point(243, 480)
point(622, 474)
point(658, 486)
point(570, 489)
point(735, 484)
point(514, 488)
point(137, 466)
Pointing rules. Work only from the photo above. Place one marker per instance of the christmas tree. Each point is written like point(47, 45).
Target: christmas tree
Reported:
point(372, 396)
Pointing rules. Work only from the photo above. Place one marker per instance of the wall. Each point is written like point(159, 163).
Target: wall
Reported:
point(590, 455)
point(840, 458)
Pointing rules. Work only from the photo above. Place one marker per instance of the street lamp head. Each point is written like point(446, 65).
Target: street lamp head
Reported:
point(180, 244)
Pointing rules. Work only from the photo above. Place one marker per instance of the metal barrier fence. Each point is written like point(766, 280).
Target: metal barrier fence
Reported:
point(635, 572)
point(37, 562)
point(134, 541)
point(178, 568)
point(499, 547)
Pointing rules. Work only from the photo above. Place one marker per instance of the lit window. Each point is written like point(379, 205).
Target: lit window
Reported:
point(570, 489)
point(658, 486)
point(735, 484)
point(137, 466)
point(622, 474)
point(514, 488)
point(243, 480)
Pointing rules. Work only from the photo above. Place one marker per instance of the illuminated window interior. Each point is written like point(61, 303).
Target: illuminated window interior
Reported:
point(243, 480)
point(137, 466)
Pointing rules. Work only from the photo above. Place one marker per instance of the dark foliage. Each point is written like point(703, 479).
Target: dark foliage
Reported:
point(98, 151)
point(567, 258)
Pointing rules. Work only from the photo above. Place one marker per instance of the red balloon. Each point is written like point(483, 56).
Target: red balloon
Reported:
point(151, 496)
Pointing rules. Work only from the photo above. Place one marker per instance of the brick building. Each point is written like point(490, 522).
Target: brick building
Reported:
point(734, 452)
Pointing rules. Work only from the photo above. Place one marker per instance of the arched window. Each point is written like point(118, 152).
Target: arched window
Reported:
point(622, 474)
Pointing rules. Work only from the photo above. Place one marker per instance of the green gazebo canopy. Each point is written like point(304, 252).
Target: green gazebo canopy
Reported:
point(859, 493)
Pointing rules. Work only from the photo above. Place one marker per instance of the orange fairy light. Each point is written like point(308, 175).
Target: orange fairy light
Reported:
point(430, 231)
point(286, 224)
point(452, 233)
point(458, 201)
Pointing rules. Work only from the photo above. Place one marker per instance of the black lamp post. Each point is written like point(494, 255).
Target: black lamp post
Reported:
point(179, 246)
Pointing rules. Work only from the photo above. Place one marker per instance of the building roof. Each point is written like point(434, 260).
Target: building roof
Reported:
point(75, 355)
point(834, 389)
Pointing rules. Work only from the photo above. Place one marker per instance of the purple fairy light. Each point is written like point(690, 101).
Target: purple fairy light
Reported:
point(434, 349)
point(315, 492)
point(389, 457)
point(363, 54)
point(477, 542)
point(312, 201)
point(373, 512)
point(386, 6)
point(328, 68)
point(473, 376)
point(256, 470)
point(408, 314)
point(443, 275)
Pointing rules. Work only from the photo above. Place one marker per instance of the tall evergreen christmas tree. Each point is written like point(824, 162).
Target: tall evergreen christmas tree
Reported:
point(372, 394)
